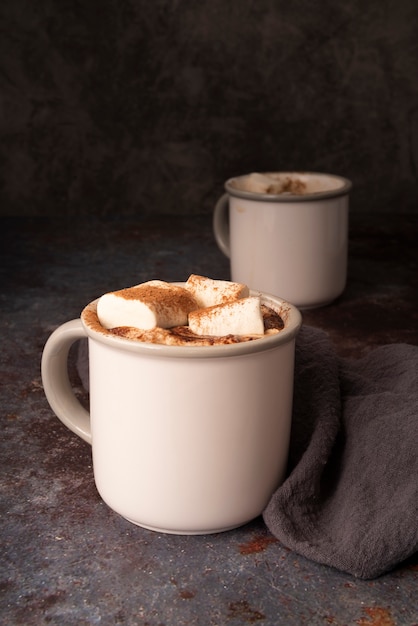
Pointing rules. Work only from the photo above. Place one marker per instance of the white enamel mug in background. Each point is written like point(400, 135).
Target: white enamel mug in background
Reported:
point(185, 440)
point(291, 245)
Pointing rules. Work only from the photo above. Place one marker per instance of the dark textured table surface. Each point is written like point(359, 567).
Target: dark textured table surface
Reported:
point(66, 558)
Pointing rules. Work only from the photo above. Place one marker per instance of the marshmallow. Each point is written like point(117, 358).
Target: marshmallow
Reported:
point(239, 317)
point(262, 183)
point(151, 304)
point(208, 292)
point(273, 183)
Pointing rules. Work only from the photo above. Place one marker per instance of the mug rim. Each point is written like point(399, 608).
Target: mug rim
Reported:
point(291, 316)
point(342, 190)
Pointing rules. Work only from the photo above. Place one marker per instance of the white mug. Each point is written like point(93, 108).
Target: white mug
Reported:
point(293, 245)
point(185, 439)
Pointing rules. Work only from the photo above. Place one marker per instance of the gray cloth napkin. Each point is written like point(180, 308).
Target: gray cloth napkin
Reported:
point(350, 499)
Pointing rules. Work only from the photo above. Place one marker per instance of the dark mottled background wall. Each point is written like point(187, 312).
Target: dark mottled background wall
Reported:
point(146, 106)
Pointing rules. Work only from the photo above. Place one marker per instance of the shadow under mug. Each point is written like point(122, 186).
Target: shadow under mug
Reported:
point(185, 439)
point(292, 245)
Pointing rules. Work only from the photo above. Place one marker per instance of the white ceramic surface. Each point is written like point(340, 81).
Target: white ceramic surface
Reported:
point(185, 440)
point(293, 246)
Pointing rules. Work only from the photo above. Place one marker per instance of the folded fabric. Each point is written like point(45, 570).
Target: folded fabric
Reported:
point(350, 499)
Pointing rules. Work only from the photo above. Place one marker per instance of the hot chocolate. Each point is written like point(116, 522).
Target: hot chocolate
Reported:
point(286, 183)
point(170, 314)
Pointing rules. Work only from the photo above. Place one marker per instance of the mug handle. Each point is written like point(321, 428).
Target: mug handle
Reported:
point(221, 224)
point(56, 382)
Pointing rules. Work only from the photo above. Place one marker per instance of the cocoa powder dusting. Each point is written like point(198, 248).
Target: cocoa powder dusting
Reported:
point(164, 297)
point(293, 185)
